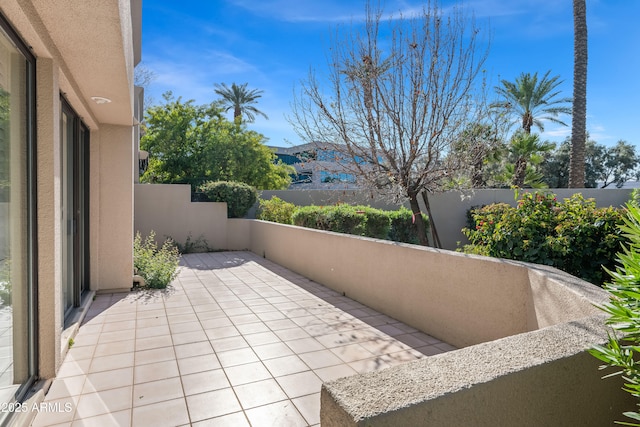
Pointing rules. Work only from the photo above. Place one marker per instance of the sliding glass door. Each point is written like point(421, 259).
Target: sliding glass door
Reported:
point(74, 207)
point(17, 217)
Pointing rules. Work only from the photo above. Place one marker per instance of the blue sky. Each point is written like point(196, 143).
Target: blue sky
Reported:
point(272, 45)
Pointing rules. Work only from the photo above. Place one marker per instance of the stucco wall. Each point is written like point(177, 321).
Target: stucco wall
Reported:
point(541, 378)
point(461, 299)
point(167, 210)
point(115, 208)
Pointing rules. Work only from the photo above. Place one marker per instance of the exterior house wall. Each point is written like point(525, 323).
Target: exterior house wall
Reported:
point(81, 49)
point(115, 199)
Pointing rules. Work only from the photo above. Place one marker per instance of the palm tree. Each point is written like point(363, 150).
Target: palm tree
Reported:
point(531, 101)
point(579, 119)
point(527, 150)
point(239, 99)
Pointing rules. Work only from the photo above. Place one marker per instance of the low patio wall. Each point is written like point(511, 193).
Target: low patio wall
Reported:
point(525, 330)
point(522, 329)
point(458, 298)
point(540, 378)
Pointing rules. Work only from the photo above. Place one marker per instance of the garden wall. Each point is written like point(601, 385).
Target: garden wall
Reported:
point(449, 209)
point(167, 210)
point(523, 330)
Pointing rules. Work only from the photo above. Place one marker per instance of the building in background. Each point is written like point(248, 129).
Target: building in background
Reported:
point(318, 166)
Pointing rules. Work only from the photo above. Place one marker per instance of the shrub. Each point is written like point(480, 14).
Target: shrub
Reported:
point(402, 227)
point(276, 210)
point(377, 222)
point(624, 312)
point(360, 220)
point(341, 218)
point(239, 196)
point(572, 235)
point(158, 267)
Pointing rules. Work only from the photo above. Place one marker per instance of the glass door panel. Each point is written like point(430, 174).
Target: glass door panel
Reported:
point(17, 220)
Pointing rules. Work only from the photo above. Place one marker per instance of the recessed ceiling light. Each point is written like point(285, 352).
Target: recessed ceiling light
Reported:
point(100, 100)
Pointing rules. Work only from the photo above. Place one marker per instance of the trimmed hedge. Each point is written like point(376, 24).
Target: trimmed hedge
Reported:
point(572, 235)
point(239, 196)
point(360, 220)
point(402, 226)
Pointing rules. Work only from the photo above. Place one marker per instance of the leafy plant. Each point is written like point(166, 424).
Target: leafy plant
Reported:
point(624, 312)
point(158, 267)
point(276, 210)
point(238, 196)
point(193, 246)
point(572, 235)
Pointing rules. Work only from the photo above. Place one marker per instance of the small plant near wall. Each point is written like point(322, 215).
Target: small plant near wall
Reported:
point(157, 266)
point(192, 245)
point(623, 308)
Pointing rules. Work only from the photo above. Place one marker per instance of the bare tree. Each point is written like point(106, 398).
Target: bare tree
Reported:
point(399, 93)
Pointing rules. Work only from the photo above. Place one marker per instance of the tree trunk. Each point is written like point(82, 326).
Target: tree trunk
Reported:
point(519, 172)
point(579, 116)
point(432, 225)
point(417, 220)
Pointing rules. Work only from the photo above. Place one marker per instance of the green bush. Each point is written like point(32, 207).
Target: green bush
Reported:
point(402, 226)
point(360, 220)
point(377, 222)
point(572, 235)
point(341, 218)
point(623, 309)
point(158, 267)
point(276, 210)
point(239, 196)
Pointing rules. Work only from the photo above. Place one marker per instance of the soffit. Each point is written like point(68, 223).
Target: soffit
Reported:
point(94, 40)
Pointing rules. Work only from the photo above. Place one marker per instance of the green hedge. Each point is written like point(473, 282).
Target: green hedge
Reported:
point(402, 226)
point(276, 210)
point(572, 235)
point(239, 196)
point(360, 220)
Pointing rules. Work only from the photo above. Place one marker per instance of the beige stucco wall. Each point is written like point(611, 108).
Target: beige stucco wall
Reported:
point(541, 378)
point(461, 299)
point(49, 231)
point(167, 210)
point(115, 222)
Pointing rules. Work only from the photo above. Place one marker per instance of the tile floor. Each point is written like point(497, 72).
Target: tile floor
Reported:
point(235, 341)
